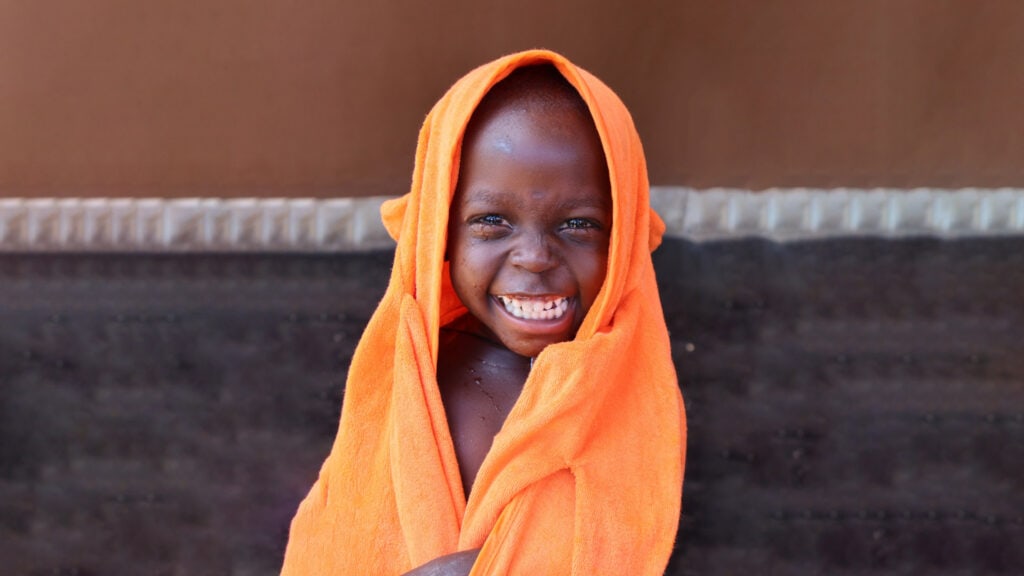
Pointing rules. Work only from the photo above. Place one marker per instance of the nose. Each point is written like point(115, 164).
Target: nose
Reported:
point(533, 253)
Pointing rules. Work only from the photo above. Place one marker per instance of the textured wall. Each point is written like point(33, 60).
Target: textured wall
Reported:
point(855, 406)
point(324, 98)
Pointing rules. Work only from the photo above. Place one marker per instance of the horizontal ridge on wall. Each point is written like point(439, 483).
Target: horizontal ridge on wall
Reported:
point(353, 224)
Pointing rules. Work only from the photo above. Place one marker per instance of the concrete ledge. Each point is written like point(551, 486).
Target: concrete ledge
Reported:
point(806, 214)
point(353, 224)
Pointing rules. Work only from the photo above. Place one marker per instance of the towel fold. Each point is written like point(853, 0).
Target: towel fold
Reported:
point(585, 476)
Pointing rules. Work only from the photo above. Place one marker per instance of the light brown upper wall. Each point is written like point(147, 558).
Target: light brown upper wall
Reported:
point(321, 98)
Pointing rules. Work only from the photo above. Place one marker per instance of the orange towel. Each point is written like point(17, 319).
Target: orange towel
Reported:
point(585, 476)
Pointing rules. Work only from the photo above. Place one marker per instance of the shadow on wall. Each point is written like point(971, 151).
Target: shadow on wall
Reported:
point(855, 406)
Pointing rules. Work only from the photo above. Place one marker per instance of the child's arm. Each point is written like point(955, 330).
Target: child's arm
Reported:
point(457, 564)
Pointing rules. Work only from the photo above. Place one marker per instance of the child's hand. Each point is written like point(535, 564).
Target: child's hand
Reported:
point(458, 564)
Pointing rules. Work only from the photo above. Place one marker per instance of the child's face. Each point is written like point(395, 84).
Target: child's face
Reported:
point(529, 225)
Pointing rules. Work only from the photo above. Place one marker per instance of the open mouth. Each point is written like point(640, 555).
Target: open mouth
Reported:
point(544, 308)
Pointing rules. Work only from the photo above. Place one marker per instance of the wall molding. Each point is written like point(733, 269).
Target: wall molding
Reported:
point(353, 224)
point(793, 214)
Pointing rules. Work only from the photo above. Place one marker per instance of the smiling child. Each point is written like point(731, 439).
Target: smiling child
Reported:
point(512, 407)
point(528, 246)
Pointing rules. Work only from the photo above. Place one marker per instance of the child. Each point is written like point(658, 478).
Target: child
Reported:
point(512, 406)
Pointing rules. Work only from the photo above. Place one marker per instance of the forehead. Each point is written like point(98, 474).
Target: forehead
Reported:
point(541, 111)
point(512, 129)
point(533, 94)
point(515, 147)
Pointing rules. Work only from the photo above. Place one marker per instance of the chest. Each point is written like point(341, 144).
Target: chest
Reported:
point(478, 393)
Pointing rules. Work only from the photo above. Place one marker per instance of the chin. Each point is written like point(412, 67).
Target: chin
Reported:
point(531, 349)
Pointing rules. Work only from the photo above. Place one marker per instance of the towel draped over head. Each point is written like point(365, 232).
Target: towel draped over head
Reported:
point(585, 476)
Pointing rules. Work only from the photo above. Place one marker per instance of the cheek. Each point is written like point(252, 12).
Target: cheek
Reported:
point(471, 272)
point(590, 273)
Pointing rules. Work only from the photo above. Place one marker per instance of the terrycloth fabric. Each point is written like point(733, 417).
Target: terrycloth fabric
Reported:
point(585, 477)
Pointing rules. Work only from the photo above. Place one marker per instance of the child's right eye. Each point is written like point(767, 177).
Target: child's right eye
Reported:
point(489, 225)
point(491, 220)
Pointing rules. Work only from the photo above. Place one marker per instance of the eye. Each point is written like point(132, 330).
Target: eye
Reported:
point(581, 224)
point(583, 230)
point(488, 226)
point(490, 220)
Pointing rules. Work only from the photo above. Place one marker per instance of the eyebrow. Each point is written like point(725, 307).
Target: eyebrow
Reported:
point(491, 196)
point(588, 201)
point(485, 195)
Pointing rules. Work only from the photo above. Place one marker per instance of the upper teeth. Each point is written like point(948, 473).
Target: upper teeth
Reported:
point(535, 309)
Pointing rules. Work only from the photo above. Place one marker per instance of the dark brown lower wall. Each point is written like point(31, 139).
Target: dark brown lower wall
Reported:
point(855, 406)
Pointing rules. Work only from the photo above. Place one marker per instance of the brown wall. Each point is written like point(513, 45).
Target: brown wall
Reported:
point(320, 98)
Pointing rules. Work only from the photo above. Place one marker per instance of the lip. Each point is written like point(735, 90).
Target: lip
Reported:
point(538, 327)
